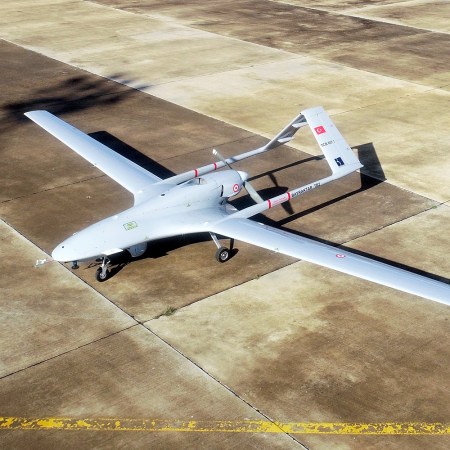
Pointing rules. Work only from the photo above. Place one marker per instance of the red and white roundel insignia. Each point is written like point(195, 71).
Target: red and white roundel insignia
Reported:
point(340, 255)
point(319, 130)
point(235, 188)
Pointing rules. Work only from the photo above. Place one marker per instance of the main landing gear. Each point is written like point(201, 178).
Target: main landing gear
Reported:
point(223, 253)
point(103, 273)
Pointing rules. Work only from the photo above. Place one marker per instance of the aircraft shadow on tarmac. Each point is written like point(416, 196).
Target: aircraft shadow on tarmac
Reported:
point(77, 93)
point(132, 154)
point(371, 175)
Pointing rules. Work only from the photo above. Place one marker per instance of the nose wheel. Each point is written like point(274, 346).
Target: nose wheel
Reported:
point(103, 273)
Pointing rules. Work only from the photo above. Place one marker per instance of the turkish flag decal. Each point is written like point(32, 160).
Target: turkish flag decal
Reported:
point(319, 130)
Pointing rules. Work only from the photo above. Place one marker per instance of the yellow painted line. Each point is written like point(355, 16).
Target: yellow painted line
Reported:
point(228, 426)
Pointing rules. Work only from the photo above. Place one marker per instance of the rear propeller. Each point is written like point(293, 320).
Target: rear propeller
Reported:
point(244, 176)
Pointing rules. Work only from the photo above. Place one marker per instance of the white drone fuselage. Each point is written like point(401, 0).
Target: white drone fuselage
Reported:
point(196, 202)
point(153, 218)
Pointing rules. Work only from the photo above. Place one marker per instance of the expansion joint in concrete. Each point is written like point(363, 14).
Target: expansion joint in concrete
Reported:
point(229, 389)
point(68, 351)
point(53, 188)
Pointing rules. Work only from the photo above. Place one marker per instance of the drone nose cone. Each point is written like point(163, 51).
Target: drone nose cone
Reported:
point(60, 253)
point(243, 175)
point(65, 252)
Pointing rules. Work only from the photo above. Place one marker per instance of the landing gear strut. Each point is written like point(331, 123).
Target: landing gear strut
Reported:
point(222, 254)
point(103, 273)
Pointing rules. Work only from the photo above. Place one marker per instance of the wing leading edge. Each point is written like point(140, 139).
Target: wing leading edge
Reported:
point(325, 255)
point(128, 174)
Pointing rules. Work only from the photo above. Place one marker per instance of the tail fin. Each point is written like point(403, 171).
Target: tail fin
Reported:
point(287, 133)
point(337, 152)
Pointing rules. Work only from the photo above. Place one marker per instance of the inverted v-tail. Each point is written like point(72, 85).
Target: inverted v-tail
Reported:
point(339, 155)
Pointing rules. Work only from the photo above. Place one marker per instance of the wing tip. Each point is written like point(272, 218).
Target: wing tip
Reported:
point(36, 113)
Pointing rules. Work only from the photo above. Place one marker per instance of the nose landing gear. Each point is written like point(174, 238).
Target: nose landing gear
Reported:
point(103, 273)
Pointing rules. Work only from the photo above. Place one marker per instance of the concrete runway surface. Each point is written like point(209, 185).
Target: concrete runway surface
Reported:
point(262, 340)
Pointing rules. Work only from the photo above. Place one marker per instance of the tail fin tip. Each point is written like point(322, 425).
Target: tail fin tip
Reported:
point(338, 153)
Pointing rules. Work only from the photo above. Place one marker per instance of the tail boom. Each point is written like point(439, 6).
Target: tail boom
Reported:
point(337, 152)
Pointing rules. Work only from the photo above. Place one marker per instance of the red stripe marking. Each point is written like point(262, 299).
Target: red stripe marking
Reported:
point(196, 172)
point(289, 196)
point(270, 203)
point(215, 166)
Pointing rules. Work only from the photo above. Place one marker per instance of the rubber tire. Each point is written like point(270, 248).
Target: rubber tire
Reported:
point(99, 275)
point(223, 254)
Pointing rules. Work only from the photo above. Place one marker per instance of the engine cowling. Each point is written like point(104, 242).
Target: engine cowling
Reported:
point(232, 182)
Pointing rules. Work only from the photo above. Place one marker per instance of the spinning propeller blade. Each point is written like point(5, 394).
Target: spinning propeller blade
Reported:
point(246, 184)
point(252, 192)
point(220, 157)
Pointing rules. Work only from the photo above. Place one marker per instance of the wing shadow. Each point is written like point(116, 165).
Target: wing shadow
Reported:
point(76, 93)
point(131, 153)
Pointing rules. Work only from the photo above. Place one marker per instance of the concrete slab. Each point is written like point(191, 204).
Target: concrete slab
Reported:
point(324, 35)
point(408, 140)
point(428, 226)
point(264, 87)
point(327, 348)
point(271, 70)
point(40, 323)
point(130, 374)
point(159, 51)
point(424, 14)
point(328, 339)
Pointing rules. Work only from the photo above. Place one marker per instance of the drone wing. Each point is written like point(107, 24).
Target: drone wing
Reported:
point(342, 162)
point(334, 258)
point(128, 174)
